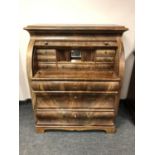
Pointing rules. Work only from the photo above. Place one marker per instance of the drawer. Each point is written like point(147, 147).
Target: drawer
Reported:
point(49, 52)
point(74, 86)
point(105, 59)
point(105, 53)
point(49, 43)
point(46, 58)
point(98, 66)
point(74, 117)
point(73, 101)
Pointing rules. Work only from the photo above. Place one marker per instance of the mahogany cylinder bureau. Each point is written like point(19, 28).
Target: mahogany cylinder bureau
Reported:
point(75, 75)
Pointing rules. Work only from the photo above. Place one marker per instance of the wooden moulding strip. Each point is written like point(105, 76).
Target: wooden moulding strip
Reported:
point(71, 79)
point(77, 110)
point(78, 63)
point(75, 43)
point(107, 128)
point(78, 92)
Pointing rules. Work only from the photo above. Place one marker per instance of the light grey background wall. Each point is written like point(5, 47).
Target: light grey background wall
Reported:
point(76, 12)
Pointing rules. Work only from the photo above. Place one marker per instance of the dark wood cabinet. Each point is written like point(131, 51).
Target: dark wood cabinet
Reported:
point(75, 75)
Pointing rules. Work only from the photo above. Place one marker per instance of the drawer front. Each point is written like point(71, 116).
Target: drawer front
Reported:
point(73, 101)
point(67, 117)
point(105, 53)
point(75, 43)
point(76, 66)
point(46, 58)
point(74, 86)
point(48, 52)
point(105, 59)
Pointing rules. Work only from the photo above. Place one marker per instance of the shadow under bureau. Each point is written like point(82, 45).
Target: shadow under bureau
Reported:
point(75, 75)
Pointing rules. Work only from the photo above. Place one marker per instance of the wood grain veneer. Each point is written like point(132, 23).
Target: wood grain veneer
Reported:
point(75, 74)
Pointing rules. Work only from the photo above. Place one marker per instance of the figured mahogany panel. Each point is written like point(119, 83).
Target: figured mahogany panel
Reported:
point(66, 117)
point(75, 101)
point(73, 86)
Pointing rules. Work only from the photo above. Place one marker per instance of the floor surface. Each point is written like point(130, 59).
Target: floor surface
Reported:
point(75, 143)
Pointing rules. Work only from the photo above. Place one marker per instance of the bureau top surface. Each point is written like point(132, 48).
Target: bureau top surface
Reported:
point(76, 28)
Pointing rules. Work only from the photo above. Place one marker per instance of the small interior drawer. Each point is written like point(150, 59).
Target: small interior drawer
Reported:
point(105, 53)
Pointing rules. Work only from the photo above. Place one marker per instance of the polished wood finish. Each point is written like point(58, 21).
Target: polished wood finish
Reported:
point(75, 75)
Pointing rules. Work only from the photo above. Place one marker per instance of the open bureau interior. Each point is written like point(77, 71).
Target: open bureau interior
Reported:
point(49, 60)
point(75, 75)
